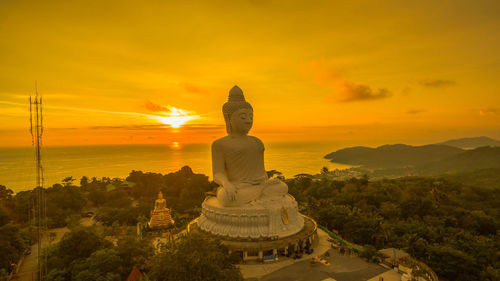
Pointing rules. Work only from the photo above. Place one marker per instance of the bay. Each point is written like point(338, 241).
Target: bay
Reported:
point(17, 164)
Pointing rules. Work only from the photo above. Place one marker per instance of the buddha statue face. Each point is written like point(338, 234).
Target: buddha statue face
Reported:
point(238, 113)
point(241, 121)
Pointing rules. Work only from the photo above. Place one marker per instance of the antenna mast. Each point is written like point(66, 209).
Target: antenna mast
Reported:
point(36, 128)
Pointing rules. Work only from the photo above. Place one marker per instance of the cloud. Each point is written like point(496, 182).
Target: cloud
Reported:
point(351, 91)
point(151, 106)
point(170, 115)
point(201, 127)
point(415, 111)
point(488, 111)
point(131, 127)
point(406, 91)
point(5, 102)
point(191, 88)
point(166, 110)
point(436, 83)
point(80, 109)
point(54, 96)
point(204, 127)
point(322, 72)
point(345, 90)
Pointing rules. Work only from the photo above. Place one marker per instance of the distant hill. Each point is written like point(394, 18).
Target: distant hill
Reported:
point(393, 156)
point(470, 143)
point(486, 157)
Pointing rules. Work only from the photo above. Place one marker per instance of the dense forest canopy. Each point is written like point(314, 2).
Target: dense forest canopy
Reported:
point(452, 226)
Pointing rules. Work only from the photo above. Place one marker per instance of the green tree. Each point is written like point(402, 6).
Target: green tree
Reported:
point(272, 173)
point(5, 193)
point(370, 253)
point(68, 181)
point(194, 258)
point(97, 195)
point(56, 275)
point(324, 170)
point(452, 263)
point(63, 202)
point(84, 181)
point(134, 252)
point(12, 245)
point(23, 205)
point(4, 219)
point(3, 274)
point(74, 247)
point(102, 265)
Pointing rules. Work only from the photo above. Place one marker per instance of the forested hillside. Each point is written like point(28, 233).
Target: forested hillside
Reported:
point(451, 223)
point(452, 227)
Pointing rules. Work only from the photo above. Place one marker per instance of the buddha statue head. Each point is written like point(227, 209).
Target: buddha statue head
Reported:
point(238, 113)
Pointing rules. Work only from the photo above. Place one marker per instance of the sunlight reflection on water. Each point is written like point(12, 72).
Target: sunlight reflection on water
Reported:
point(17, 164)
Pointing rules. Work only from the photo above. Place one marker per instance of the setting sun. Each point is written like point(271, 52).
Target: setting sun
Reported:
point(176, 117)
point(175, 122)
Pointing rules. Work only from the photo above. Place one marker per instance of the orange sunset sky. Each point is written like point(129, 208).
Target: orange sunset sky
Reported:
point(360, 72)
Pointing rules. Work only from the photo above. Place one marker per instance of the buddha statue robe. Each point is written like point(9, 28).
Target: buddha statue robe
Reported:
point(243, 162)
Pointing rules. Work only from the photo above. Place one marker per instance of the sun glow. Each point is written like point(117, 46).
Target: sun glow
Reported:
point(175, 122)
point(176, 117)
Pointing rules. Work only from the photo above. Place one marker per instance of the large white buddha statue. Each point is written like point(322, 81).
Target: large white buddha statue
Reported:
point(238, 159)
point(248, 204)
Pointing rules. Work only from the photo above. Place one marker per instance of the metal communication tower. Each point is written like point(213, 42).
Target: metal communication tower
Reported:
point(36, 129)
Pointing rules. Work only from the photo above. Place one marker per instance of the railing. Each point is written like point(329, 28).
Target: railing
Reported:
point(355, 247)
point(429, 274)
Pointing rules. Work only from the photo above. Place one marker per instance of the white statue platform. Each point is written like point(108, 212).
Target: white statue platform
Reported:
point(262, 219)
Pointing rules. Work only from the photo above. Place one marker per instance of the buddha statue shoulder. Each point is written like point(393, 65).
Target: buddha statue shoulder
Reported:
point(238, 159)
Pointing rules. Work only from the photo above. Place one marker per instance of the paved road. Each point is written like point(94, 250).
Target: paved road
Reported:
point(342, 268)
point(29, 267)
point(258, 270)
point(389, 275)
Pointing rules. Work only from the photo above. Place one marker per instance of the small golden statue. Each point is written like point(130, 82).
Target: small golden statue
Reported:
point(160, 216)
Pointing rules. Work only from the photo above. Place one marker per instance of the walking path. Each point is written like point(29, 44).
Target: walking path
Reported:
point(389, 275)
point(259, 270)
point(342, 268)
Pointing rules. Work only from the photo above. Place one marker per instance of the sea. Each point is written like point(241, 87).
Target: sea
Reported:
point(18, 172)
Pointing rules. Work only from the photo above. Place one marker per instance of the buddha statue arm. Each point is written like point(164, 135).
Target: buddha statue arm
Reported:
point(219, 174)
